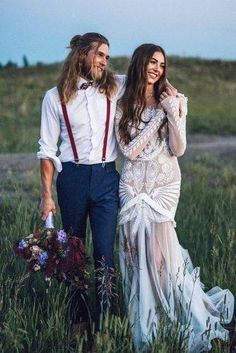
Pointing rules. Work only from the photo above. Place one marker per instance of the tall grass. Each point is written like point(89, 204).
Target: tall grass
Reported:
point(209, 84)
point(34, 320)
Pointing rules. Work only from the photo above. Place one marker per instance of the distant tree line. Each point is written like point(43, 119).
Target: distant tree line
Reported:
point(120, 63)
point(10, 64)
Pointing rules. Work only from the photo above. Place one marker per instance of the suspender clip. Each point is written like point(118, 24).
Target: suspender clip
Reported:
point(103, 162)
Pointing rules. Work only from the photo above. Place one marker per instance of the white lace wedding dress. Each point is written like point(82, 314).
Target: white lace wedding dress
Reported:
point(157, 272)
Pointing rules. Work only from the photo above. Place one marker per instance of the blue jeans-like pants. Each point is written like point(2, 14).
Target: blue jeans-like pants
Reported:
point(90, 191)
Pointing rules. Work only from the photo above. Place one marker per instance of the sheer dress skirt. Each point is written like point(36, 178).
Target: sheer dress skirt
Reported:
point(158, 275)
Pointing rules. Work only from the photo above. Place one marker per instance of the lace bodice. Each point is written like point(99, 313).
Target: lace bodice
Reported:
point(150, 175)
point(145, 142)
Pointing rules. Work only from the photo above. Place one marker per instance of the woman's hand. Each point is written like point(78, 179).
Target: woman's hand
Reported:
point(171, 88)
point(169, 91)
point(47, 205)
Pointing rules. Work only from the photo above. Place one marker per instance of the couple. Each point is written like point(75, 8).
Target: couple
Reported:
point(85, 111)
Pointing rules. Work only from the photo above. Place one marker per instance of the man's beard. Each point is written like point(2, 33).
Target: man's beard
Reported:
point(86, 71)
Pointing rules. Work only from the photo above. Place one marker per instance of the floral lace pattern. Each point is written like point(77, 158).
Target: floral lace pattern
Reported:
point(143, 136)
point(150, 163)
point(156, 270)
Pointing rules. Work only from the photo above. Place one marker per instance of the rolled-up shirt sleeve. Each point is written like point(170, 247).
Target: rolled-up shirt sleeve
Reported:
point(49, 131)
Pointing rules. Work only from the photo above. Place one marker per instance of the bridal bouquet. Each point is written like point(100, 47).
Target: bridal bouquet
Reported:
point(56, 253)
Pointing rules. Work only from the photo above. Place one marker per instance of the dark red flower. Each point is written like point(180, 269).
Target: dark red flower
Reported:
point(66, 261)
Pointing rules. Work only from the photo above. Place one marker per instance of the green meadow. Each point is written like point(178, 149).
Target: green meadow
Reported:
point(33, 318)
point(210, 86)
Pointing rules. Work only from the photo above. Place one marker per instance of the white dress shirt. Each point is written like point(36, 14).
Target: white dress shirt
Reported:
point(87, 115)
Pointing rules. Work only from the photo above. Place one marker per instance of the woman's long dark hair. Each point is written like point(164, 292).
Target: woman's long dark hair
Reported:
point(133, 102)
point(74, 63)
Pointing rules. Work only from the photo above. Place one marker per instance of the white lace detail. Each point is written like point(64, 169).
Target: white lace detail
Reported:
point(155, 269)
point(142, 137)
point(151, 175)
point(139, 174)
point(176, 109)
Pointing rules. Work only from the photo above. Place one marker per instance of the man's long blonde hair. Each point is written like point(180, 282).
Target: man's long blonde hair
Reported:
point(74, 63)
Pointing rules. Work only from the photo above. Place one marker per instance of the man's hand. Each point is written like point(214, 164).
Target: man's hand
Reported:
point(47, 204)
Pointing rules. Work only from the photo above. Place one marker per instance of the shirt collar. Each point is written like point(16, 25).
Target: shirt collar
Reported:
point(81, 81)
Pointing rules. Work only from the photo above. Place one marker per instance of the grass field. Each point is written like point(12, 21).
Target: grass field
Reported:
point(209, 84)
point(32, 320)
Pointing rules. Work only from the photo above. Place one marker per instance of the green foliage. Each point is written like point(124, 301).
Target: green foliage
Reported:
point(33, 320)
point(209, 84)
point(25, 61)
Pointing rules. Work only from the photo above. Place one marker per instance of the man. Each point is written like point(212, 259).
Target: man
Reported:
point(80, 111)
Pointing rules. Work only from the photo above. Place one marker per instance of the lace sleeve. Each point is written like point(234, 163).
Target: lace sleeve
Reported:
point(176, 108)
point(137, 144)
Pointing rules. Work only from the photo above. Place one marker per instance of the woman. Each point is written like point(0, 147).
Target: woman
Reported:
point(157, 273)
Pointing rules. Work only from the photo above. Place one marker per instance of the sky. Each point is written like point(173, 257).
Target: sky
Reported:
point(41, 29)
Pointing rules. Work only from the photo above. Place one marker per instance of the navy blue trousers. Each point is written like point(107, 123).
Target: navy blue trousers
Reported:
point(91, 191)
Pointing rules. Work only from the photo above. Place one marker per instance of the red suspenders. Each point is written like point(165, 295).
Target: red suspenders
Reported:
point(104, 149)
point(72, 141)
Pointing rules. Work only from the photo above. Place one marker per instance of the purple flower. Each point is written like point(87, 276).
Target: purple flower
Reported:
point(43, 258)
point(22, 244)
point(62, 236)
